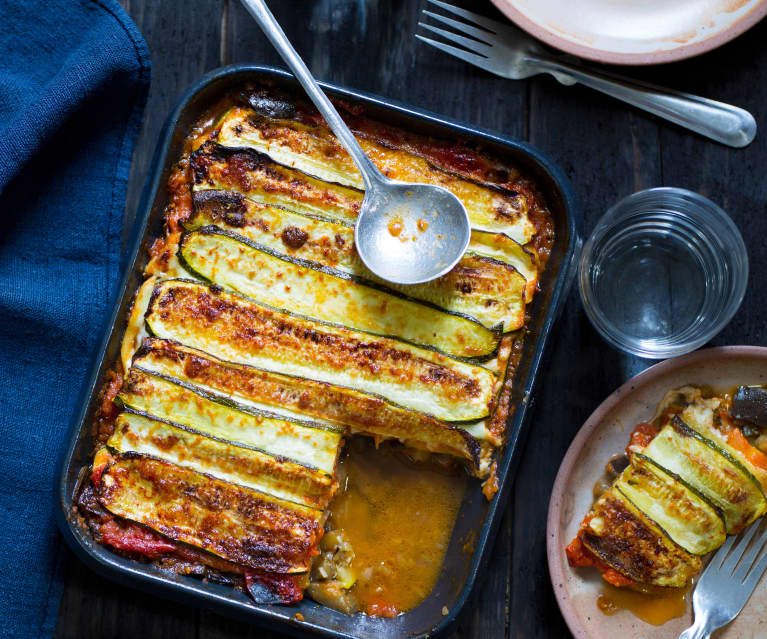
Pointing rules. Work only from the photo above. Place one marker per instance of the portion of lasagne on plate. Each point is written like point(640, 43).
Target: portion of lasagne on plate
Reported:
point(694, 474)
point(259, 342)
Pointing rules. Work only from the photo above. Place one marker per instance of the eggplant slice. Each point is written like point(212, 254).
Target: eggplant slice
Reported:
point(750, 404)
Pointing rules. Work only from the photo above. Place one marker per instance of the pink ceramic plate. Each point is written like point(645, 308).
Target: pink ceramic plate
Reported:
point(634, 31)
point(605, 434)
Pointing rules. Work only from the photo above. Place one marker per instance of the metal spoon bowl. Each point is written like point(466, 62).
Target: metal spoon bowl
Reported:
point(404, 233)
point(410, 233)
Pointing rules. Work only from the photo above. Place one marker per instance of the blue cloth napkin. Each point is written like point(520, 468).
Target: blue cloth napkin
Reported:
point(74, 76)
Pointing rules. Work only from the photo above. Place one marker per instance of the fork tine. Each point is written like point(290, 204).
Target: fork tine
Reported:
point(722, 553)
point(472, 58)
point(748, 559)
point(472, 45)
point(487, 23)
point(729, 564)
point(481, 34)
point(756, 573)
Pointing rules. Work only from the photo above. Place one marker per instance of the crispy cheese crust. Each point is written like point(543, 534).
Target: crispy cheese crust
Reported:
point(238, 524)
point(623, 538)
point(236, 329)
point(360, 412)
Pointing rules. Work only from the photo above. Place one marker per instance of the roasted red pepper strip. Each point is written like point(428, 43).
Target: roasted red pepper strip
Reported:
point(132, 537)
point(270, 587)
point(612, 576)
point(578, 554)
point(264, 587)
point(96, 474)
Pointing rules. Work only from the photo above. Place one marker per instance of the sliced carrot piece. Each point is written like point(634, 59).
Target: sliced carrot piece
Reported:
point(738, 441)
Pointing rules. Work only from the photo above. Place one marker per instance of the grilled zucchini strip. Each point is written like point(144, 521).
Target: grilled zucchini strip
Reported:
point(696, 461)
point(135, 331)
point(239, 524)
point(311, 149)
point(284, 282)
point(502, 248)
point(624, 538)
point(287, 395)
point(685, 516)
point(222, 459)
point(315, 151)
point(700, 416)
point(254, 175)
point(330, 240)
point(488, 288)
point(165, 399)
point(240, 330)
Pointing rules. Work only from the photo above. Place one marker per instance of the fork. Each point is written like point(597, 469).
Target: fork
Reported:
point(509, 52)
point(727, 582)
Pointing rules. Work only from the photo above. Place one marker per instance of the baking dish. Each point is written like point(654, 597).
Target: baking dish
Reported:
point(477, 519)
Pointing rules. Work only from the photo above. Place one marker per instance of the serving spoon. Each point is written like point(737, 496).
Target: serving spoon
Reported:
point(405, 233)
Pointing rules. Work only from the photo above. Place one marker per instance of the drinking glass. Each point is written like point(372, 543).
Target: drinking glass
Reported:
point(663, 272)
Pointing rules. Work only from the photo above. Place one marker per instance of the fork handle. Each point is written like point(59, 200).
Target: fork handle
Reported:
point(701, 629)
point(724, 123)
point(272, 30)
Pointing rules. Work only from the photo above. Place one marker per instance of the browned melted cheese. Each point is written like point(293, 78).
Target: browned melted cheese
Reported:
point(633, 545)
point(235, 523)
point(251, 327)
point(228, 322)
point(361, 413)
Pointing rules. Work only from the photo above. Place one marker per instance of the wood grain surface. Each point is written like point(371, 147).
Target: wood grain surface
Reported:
point(607, 149)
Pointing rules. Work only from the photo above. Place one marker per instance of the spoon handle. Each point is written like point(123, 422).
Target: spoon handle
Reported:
point(724, 123)
point(273, 31)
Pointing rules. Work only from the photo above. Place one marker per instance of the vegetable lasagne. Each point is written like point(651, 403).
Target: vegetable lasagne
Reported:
point(689, 478)
point(259, 342)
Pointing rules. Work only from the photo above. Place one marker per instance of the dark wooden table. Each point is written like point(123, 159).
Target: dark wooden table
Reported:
point(607, 149)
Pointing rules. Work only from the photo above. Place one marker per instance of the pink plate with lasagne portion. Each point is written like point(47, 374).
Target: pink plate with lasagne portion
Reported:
point(592, 608)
